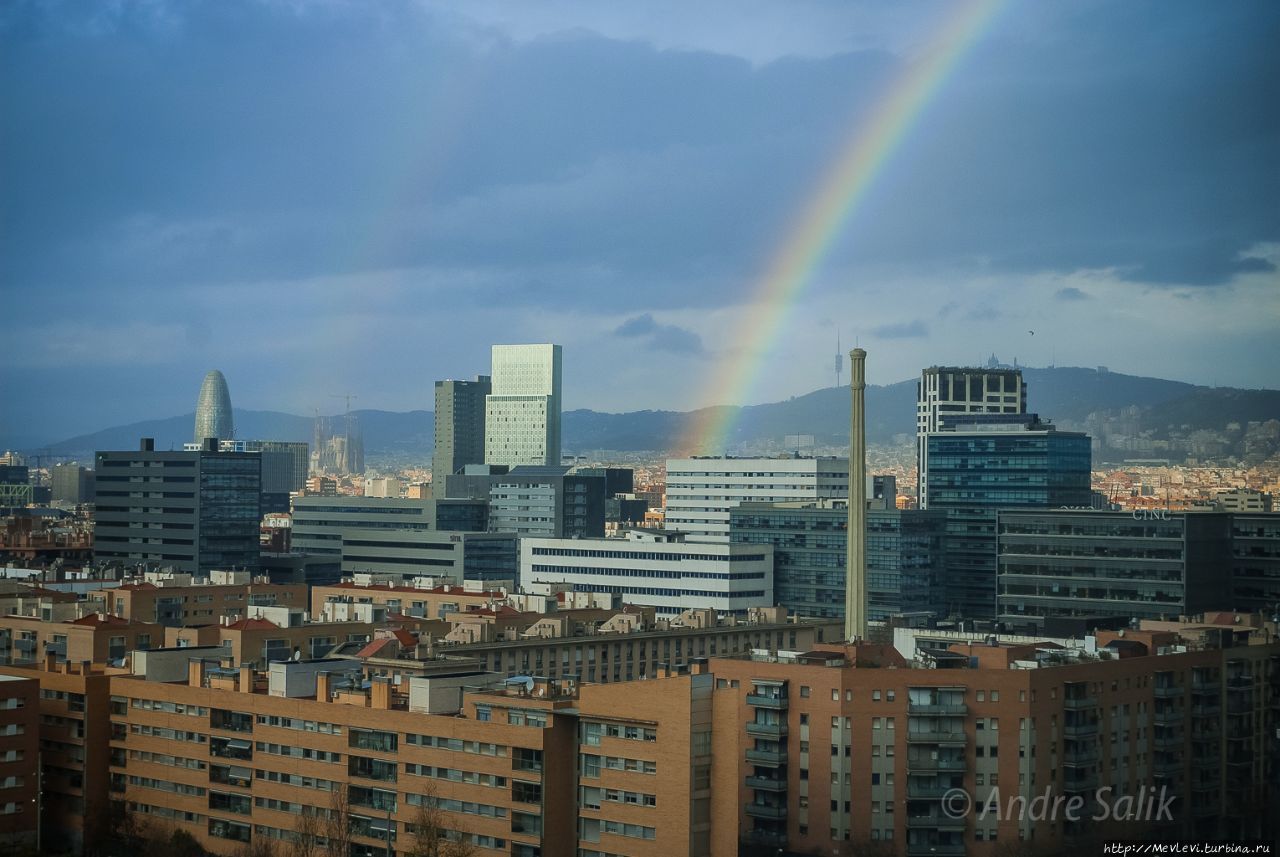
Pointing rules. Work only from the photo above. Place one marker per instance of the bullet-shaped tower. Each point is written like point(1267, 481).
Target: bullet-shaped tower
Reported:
point(855, 584)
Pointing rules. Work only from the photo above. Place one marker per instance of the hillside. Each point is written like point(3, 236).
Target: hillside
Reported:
point(1139, 415)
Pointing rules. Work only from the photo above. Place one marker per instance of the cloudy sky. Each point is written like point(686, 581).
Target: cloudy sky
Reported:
point(333, 196)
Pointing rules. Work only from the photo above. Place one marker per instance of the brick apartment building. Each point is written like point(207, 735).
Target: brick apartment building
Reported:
point(178, 600)
point(818, 750)
point(19, 761)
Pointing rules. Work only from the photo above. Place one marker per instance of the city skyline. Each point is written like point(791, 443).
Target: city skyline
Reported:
point(1080, 188)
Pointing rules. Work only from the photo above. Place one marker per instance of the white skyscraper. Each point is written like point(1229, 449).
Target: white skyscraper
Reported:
point(522, 413)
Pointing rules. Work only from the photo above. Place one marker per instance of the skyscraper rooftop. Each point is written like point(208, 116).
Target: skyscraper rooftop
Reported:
point(213, 409)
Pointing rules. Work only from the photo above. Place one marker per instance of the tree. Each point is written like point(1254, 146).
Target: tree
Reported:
point(337, 824)
point(307, 836)
point(259, 847)
point(431, 835)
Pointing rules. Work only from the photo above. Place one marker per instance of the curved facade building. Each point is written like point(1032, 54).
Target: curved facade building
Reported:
point(213, 409)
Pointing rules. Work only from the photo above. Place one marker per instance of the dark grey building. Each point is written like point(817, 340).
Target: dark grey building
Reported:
point(71, 483)
point(547, 501)
point(1255, 561)
point(1063, 563)
point(986, 464)
point(320, 522)
point(474, 482)
point(196, 511)
point(904, 555)
point(459, 427)
point(617, 480)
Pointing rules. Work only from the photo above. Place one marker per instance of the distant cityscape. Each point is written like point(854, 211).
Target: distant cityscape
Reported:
point(512, 648)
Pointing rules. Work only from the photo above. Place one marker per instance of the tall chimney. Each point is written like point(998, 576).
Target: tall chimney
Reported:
point(855, 582)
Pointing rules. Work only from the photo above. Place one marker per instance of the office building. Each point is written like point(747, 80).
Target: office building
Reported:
point(284, 468)
point(547, 501)
point(904, 555)
point(213, 409)
point(447, 555)
point(701, 491)
point(193, 512)
point(1147, 565)
point(617, 480)
point(988, 464)
point(1255, 562)
point(522, 413)
point(71, 484)
point(947, 394)
point(320, 521)
point(654, 568)
point(459, 426)
point(1243, 500)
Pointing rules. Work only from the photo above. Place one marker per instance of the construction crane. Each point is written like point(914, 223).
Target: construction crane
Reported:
point(348, 397)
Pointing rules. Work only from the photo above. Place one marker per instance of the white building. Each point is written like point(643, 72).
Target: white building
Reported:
point(701, 491)
point(947, 393)
point(522, 413)
point(654, 568)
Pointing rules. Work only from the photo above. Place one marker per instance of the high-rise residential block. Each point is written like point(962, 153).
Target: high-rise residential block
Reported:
point(522, 413)
point(701, 491)
point(459, 427)
point(213, 409)
point(192, 511)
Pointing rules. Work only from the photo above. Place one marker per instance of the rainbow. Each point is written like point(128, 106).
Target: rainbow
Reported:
point(843, 187)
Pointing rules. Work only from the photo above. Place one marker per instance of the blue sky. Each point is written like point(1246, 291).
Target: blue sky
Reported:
point(332, 196)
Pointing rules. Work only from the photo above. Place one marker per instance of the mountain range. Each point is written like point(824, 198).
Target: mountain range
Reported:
point(1069, 396)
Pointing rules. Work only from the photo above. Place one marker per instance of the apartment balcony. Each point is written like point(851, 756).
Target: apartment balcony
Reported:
point(778, 703)
point(1240, 682)
point(773, 838)
point(774, 812)
point(926, 792)
point(955, 736)
point(1166, 767)
point(1080, 760)
point(1238, 706)
point(1207, 709)
point(773, 731)
point(1168, 716)
point(1167, 741)
point(1079, 703)
point(934, 821)
point(925, 849)
point(958, 709)
point(1085, 782)
point(1205, 688)
point(1207, 761)
point(768, 757)
point(1241, 760)
point(1168, 691)
point(953, 763)
point(767, 784)
point(1080, 730)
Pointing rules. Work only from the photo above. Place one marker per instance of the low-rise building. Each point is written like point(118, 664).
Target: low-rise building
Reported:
point(176, 599)
point(656, 568)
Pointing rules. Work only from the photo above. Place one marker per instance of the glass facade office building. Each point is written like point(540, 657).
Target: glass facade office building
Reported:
point(193, 511)
point(1082, 564)
point(904, 556)
point(977, 470)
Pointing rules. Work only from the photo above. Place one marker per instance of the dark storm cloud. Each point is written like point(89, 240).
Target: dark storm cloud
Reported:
point(284, 155)
point(660, 337)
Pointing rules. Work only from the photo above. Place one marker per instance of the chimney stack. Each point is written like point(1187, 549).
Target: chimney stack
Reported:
point(855, 583)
